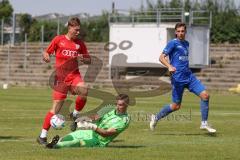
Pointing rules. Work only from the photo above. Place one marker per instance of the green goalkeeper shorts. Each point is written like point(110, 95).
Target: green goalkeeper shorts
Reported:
point(79, 138)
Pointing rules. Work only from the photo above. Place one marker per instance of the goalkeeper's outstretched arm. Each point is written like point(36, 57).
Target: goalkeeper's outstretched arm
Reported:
point(86, 125)
point(106, 133)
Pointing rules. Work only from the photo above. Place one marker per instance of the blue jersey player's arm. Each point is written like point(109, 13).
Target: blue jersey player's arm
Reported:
point(163, 57)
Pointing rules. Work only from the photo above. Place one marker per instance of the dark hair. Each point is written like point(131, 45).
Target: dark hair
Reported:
point(74, 21)
point(180, 24)
point(123, 97)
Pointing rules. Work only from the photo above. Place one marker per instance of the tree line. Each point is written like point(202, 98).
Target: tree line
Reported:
point(225, 20)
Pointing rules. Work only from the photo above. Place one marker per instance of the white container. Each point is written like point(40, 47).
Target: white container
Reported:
point(5, 86)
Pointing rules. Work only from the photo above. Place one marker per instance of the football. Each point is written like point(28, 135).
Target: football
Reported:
point(57, 121)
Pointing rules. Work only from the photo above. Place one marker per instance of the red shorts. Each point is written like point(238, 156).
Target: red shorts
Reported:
point(62, 87)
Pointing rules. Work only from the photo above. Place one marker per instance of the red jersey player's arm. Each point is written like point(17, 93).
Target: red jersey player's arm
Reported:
point(46, 57)
point(84, 56)
point(50, 50)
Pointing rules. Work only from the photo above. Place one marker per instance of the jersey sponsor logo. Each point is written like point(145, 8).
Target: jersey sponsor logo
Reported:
point(69, 53)
point(183, 58)
point(180, 47)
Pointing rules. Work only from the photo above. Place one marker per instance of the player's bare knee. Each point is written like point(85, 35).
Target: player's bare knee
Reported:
point(176, 107)
point(57, 105)
point(82, 91)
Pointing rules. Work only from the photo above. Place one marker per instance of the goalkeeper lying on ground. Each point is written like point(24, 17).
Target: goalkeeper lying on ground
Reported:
point(98, 134)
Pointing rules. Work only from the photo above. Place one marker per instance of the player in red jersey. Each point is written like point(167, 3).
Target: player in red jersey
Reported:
point(69, 51)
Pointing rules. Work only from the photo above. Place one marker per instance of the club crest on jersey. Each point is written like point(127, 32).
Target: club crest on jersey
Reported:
point(62, 44)
point(77, 46)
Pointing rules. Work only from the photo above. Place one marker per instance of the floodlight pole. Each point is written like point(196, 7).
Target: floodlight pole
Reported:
point(8, 66)
point(25, 52)
point(113, 7)
point(2, 34)
point(13, 29)
point(42, 34)
point(42, 38)
point(58, 26)
point(158, 17)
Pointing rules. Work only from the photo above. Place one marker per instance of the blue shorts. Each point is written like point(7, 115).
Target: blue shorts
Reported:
point(194, 85)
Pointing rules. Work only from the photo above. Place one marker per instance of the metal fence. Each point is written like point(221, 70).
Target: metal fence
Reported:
point(198, 17)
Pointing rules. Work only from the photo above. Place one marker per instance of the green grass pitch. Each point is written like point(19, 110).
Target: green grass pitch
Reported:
point(176, 137)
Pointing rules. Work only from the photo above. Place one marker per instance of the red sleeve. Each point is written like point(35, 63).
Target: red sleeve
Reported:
point(84, 50)
point(52, 47)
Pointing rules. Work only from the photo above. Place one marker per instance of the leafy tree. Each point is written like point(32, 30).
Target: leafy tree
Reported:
point(196, 5)
point(141, 6)
point(96, 29)
point(187, 5)
point(150, 5)
point(160, 4)
point(50, 30)
point(6, 10)
point(225, 22)
point(175, 4)
point(25, 23)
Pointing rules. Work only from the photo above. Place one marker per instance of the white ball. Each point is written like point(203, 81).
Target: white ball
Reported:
point(57, 121)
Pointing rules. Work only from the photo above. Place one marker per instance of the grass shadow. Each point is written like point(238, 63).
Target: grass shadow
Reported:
point(188, 134)
point(10, 137)
point(179, 134)
point(118, 140)
point(211, 134)
point(123, 146)
point(127, 146)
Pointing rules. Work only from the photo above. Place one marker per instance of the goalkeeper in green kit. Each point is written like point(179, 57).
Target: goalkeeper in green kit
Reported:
point(98, 134)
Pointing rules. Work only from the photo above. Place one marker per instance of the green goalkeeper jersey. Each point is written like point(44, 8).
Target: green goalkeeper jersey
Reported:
point(112, 120)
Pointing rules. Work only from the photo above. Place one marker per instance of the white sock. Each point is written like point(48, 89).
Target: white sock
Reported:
point(75, 113)
point(204, 123)
point(43, 133)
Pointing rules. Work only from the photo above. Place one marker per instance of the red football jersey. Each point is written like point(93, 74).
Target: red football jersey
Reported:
point(66, 52)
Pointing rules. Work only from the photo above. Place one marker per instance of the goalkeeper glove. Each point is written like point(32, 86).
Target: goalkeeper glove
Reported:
point(84, 125)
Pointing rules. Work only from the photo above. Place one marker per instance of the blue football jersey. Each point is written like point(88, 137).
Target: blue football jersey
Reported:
point(177, 50)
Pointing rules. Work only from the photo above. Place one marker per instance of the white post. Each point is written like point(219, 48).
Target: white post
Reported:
point(5, 85)
point(25, 52)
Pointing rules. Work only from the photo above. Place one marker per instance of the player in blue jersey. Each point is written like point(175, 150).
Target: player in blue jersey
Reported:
point(181, 78)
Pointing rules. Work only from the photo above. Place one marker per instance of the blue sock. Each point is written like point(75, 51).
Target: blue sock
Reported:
point(204, 109)
point(164, 112)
